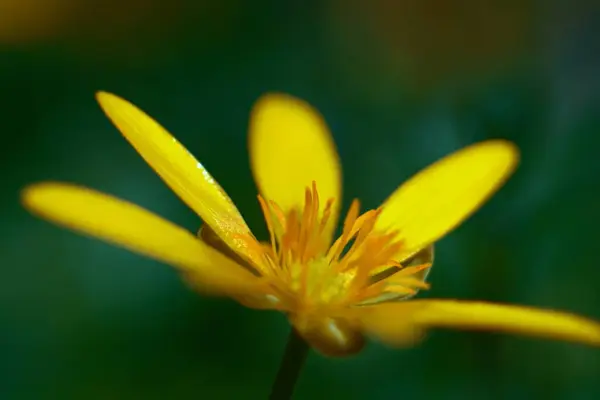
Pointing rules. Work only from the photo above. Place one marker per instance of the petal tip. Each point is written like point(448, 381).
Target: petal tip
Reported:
point(31, 191)
point(35, 195)
point(27, 195)
point(503, 154)
point(509, 150)
point(107, 99)
point(102, 96)
point(275, 99)
point(278, 104)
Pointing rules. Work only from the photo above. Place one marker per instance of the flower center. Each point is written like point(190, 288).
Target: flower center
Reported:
point(309, 274)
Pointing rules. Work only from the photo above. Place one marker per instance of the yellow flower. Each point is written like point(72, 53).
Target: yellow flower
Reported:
point(334, 291)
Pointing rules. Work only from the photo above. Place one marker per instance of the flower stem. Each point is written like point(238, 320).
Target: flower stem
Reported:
point(296, 351)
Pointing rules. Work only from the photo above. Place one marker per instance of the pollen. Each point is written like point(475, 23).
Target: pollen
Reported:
point(309, 274)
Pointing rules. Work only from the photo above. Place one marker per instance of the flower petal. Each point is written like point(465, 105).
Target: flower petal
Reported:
point(424, 256)
point(178, 169)
point(404, 323)
point(440, 197)
point(290, 147)
point(136, 229)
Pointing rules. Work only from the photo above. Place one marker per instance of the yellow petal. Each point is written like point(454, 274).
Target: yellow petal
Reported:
point(290, 147)
point(440, 197)
point(178, 169)
point(136, 229)
point(403, 323)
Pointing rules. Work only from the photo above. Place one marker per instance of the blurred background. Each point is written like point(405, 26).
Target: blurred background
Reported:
point(401, 83)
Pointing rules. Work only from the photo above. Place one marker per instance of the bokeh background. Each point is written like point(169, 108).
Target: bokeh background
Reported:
point(401, 83)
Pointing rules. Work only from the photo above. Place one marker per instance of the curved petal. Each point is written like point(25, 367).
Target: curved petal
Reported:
point(136, 229)
point(178, 169)
point(290, 147)
point(424, 256)
point(404, 323)
point(441, 196)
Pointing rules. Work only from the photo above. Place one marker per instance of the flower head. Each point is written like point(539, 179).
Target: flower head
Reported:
point(334, 289)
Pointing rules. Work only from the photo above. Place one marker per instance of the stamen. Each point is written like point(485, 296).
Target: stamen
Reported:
point(349, 223)
point(407, 282)
point(309, 274)
point(314, 241)
point(401, 287)
point(412, 270)
point(279, 217)
point(361, 235)
point(290, 237)
point(326, 214)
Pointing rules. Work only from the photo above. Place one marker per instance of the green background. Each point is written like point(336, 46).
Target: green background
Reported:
point(400, 84)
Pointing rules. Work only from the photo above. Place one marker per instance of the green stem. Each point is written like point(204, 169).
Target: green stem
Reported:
point(296, 351)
